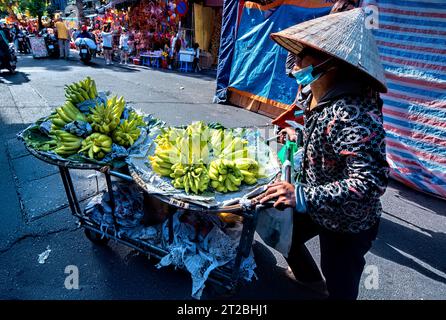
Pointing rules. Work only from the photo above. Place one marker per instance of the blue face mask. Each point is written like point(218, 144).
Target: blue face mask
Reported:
point(304, 77)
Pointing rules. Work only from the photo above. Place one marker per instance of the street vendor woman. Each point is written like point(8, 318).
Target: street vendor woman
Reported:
point(344, 170)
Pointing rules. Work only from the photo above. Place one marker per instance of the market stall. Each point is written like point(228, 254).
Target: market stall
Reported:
point(185, 195)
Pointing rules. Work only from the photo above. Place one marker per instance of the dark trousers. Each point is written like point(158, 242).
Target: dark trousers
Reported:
point(342, 256)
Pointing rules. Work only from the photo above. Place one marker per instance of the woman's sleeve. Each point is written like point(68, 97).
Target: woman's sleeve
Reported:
point(357, 139)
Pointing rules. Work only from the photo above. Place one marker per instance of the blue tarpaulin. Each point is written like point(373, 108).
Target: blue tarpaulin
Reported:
point(227, 40)
point(250, 63)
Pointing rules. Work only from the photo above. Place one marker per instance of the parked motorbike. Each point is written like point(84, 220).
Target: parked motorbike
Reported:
point(23, 43)
point(10, 62)
point(52, 45)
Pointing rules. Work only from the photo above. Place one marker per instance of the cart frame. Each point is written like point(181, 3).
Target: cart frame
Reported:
point(225, 277)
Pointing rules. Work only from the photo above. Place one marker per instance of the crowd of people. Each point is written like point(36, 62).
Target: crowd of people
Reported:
point(113, 43)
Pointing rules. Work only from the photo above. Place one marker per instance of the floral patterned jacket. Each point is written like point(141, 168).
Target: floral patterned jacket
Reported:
point(345, 169)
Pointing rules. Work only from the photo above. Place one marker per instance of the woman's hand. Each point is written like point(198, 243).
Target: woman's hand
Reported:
point(292, 136)
point(283, 192)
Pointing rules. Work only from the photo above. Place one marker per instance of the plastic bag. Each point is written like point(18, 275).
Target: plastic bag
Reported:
point(276, 229)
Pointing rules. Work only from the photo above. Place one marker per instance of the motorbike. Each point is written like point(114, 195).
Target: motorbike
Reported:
point(85, 53)
point(52, 45)
point(23, 43)
point(10, 62)
point(86, 49)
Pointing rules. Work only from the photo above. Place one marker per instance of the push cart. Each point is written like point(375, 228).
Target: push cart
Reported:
point(227, 277)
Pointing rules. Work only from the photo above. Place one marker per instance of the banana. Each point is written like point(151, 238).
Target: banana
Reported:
point(80, 91)
point(96, 146)
point(236, 181)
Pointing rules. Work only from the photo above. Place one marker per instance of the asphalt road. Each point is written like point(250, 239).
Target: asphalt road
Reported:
point(409, 256)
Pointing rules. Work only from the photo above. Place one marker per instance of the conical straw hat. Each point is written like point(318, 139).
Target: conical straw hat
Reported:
point(343, 35)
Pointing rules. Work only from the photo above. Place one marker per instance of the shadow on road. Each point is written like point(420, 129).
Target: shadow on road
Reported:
point(14, 79)
point(419, 199)
point(405, 246)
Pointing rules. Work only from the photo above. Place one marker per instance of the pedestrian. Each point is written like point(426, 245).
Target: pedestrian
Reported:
point(124, 46)
point(344, 170)
point(6, 32)
point(85, 34)
point(15, 31)
point(107, 46)
point(63, 39)
point(196, 63)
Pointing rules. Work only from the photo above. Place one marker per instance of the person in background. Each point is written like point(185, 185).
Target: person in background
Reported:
point(15, 31)
point(85, 34)
point(124, 46)
point(75, 33)
point(196, 63)
point(63, 38)
point(107, 46)
point(6, 32)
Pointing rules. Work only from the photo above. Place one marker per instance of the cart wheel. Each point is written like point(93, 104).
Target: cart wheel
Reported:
point(95, 237)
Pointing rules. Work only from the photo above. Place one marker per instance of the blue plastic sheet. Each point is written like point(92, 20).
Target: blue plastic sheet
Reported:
point(258, 64)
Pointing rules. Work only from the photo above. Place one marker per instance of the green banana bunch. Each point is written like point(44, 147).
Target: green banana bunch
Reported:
point(199, 128)
point(105, 118)
point(169, 136)
point(139, 119)
point(192, 149)
point(249, 168)
point(67, 143)
point(192, 178)
point(96, 146)
point(80, 91)
point(224, 175)
point(126, 133)
point(238, 148)
point(66, 114)
point(226, 142)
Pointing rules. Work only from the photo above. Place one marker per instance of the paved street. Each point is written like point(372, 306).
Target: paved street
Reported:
point(409, 254)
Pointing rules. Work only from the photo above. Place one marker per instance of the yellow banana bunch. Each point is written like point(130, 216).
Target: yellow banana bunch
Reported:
point(66, 114)
point(96, 146)
point(192, 178)
point(80, 91)
point(67, 143)
point(163, 160)
point(139, 119)
point(169, 136)
point(126, 133)
point(236, 149)
point(224, 175)
point(249, 168)
point(105, 118)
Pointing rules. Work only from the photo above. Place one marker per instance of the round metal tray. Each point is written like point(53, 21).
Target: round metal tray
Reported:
point(67, 163)
point(236, 208)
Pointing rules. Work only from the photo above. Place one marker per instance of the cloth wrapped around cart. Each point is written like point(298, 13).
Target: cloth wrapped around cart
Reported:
point(198, 255)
